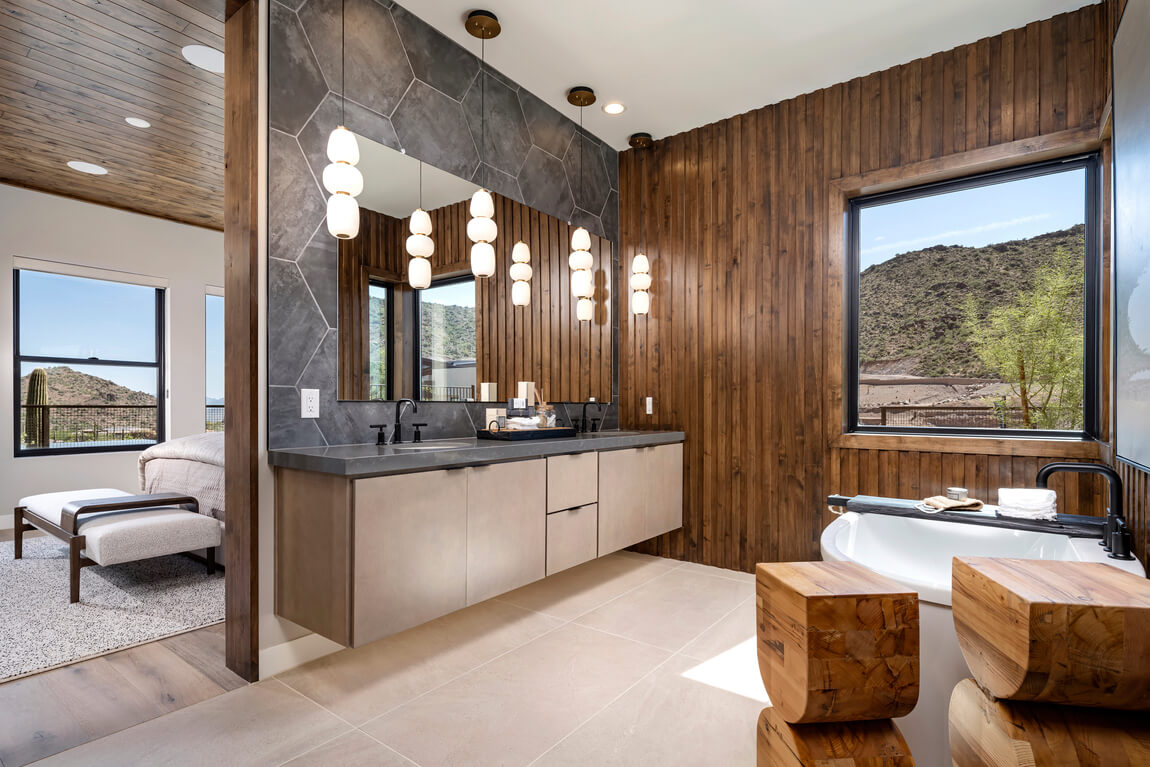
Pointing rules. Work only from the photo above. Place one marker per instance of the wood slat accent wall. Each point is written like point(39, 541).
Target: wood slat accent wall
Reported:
point(739, 350)
point(541, 342)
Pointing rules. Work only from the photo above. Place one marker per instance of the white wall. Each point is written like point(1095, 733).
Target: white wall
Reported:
point(187, 258)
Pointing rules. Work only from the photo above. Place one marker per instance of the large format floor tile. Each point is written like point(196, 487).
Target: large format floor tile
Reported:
point(668, 718)
point(353, 749)
point(265, 724)
point(572, 592)
point(365, 682)
point(513, 709)
point(671, 610)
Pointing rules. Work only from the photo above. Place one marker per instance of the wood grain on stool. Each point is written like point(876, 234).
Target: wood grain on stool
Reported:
point(998, 733)
point(1076, 633)
point(836, 642)
point(873, 743)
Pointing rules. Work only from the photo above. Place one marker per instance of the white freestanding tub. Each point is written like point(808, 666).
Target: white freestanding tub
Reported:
point(917, 553)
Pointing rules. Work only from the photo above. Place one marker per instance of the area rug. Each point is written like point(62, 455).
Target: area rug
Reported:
point(120, 605)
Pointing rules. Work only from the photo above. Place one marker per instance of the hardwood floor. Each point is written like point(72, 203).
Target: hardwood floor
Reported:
point(50, 712)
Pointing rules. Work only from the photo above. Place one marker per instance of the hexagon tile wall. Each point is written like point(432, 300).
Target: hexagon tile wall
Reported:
point(408, 87)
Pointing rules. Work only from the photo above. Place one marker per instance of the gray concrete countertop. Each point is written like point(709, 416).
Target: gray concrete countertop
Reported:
point(369, 460)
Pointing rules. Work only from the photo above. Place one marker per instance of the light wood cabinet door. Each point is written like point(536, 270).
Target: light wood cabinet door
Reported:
point(622, 502)
point(572, 480)
point(410, 551)
point(506, 527)
point(572, 537)
point(664, 489)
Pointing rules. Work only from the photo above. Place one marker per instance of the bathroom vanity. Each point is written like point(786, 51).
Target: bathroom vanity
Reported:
point(373, 540)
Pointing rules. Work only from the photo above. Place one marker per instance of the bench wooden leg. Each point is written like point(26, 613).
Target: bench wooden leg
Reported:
point(75, 546)
point(18, 533)
point(211, 557)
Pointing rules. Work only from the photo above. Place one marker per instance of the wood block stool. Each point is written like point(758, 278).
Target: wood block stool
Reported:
point(1075, 633)
point(874, 743)
point(836, 642)
point(985, 732)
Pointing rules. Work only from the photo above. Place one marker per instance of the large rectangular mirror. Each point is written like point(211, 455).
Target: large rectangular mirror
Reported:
point(441, 343)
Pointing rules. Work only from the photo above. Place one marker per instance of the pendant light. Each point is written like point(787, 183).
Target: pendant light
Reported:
point(481, 229)
point(640, 265)
point(521, 274)
point(420, 246)
point(341, 177)
point(581, 261)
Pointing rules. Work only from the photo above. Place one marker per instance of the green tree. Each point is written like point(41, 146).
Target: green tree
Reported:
point(1036, 343)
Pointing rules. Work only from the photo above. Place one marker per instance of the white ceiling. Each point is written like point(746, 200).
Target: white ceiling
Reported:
point(680, 64)
point(391, 182)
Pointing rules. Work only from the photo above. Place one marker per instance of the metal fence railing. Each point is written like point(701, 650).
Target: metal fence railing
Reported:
point(980, 417)
point(447, 393)
point(71, 426)
point(213, 417)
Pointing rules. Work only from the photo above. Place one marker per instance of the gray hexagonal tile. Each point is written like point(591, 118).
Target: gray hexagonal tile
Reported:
point(295, 83)
point(432, 127)
point(285, 427)
point(360, 120)
point(507, 137)
point(336, 421)
point(611, 163)
point(497, 181)
point(295, 324)
point(589, 221)
point(610, 217)
point(550, 129)
point(544, 184)
point(586, 172)
point(436, 60)
point(296, 205)
point(319, 265)
point(377, 72)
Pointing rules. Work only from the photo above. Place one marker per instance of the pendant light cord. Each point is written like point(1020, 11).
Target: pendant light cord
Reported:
point(483, 99)
point(421, 184)
point(342, 61)
point(582, 189)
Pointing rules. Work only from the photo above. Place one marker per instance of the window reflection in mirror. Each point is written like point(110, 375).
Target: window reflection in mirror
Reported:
point(447, 341)
point(379, 299)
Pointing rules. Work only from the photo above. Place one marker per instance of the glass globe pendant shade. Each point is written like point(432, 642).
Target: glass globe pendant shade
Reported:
point(640, 302)
point(520, 272)
point(420, 222)
point(342, 216)
point(482, 205)
point(640, 264)
point(584, 310)
point(582, 283)
point(419, 273)
point(580, 259)
point(521, 254)
point(482, 230)
point(640, 281)
point(420, 246)
point(482, 259)
point(341, 177)
point(342, 146)
point(580, 239)
point(520, 293)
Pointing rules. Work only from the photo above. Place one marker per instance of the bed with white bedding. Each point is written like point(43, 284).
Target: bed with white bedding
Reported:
point(190, 465)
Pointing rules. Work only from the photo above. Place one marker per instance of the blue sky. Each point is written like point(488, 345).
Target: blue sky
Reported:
point(974, 217)
point(454, 294)
point(214, 326)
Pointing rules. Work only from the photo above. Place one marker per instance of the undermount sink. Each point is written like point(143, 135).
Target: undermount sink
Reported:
point(427, 446)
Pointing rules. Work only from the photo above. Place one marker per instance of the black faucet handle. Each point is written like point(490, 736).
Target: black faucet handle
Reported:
point(380, 437)
point(417, 426)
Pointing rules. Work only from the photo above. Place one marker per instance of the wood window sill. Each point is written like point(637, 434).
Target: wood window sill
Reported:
point(1084, 449)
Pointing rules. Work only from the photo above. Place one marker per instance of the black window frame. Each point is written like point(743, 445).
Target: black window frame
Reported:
point(389, 384)
point(1093, 283)
point(19, 451)
point(417, 323)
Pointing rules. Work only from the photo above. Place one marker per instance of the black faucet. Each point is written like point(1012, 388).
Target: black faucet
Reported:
point(380, 438)
point(397, 434)
point(1116, 534)
point(584, 424)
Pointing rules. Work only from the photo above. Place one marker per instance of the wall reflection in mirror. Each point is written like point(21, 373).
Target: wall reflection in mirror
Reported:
point(440, 343)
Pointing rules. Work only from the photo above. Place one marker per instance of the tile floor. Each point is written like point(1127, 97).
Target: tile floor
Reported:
point(627, 660)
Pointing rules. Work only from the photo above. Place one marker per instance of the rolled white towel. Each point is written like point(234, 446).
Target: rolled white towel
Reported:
point(1028, 503)
point(522, 424)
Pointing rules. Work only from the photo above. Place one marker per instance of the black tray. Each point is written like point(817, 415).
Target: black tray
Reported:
point(508, 435)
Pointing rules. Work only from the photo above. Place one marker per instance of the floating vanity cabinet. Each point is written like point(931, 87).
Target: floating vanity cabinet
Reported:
point(640, 495)
point(572, 537)
point(506, 527)
point(572, 481)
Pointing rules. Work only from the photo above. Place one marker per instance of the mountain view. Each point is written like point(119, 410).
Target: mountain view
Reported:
point(447, 332)
point(912, 307)
point(71, 387)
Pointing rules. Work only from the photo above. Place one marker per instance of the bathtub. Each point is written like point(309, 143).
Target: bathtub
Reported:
point(917, 553)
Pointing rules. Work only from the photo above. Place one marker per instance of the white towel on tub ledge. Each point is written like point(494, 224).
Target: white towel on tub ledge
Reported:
point(1028, 503)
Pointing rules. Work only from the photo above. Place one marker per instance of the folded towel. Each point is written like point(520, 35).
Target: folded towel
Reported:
point(1027, 499)
point(1040, 516)
point(522, 424)
point(942, 503)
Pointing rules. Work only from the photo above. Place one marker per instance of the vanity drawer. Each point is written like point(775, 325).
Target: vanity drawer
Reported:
point(572, 480)
point(572, 537)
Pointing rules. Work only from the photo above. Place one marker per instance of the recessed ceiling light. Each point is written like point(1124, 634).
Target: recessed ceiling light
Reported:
point(614, 108)
point(87, 167)
point(204, 57)
point(137, 122)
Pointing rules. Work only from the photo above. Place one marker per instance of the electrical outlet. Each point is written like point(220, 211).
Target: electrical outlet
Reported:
point(309, 403)
point(650, 406)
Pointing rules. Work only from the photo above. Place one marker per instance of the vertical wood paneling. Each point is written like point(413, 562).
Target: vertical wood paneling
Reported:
point(735, 221)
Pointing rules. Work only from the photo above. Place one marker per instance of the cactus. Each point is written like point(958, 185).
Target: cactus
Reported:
point(36, 426)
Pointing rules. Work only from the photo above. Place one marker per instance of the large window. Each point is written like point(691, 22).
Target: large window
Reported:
point(446, 311)
point(379, 331)
point(89, 363)
point(214, 362)
point(972, 305)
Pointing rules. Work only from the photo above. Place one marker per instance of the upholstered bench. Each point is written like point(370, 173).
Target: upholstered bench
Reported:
point(105, 526)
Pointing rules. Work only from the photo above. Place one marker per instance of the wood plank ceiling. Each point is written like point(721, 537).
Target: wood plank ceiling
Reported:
point(71, 71)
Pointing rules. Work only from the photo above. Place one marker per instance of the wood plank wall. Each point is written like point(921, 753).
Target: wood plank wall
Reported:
point(745, 302)
point(542, 342)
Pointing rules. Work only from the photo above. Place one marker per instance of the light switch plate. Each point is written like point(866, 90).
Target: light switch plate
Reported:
point(309, 403)
point(650, 406)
